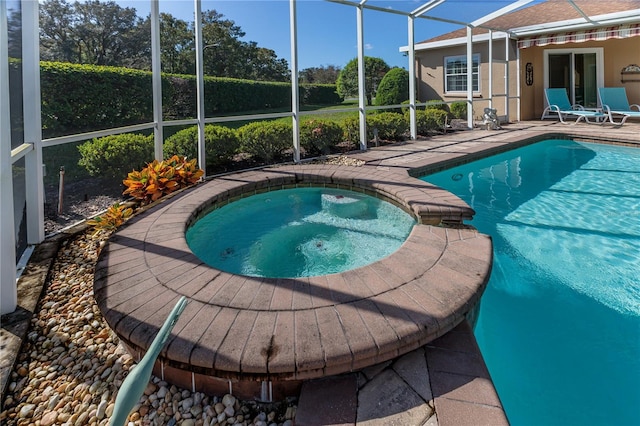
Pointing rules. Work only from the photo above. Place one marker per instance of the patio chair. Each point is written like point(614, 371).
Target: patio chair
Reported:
point(614, 102)
point(558, 102)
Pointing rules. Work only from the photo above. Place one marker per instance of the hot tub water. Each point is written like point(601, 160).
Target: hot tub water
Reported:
point(299, 232)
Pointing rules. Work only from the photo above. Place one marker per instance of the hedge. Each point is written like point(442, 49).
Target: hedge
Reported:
point(80, 98)
point(319, 136)
point(391, 126)
point(459, 109)
point(319, 94)
point(116, 155)
point(266, 140)
point(220, 144)
point(430, 120)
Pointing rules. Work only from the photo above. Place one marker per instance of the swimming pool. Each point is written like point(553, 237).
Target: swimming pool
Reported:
point(559, 324)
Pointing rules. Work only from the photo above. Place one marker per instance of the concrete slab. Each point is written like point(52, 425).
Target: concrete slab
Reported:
point(388, 400)
point(328, 401)
point(412, 368)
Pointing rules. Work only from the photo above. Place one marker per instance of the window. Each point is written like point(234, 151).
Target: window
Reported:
point(455, 73)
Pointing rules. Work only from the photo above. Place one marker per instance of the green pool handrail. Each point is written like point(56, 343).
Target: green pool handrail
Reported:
point(136, 381)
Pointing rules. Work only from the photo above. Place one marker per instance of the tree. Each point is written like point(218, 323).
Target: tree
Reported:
point(374, 70)
point(265, 65)
point(221, 37)
point(104, 33)
point(393, 88)
point(14, 32)
point(320, 75)
point(226, 55)
point(92, 32)
point(56, 31)
point(176, 45)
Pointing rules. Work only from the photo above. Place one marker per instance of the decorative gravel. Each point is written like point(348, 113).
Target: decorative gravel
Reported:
point(71, 365)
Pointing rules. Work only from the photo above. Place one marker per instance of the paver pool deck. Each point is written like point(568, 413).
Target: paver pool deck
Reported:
point(250, 330)
point(443, 382)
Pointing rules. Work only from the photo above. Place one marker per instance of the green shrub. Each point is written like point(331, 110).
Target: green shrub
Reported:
point(351, 129)
point(266, 140)
point(393, 88)
point(390, 125)
point(405, 106)
point(319, 136)
point(220, 144)
point(116, 155)
point(430, 120)
point(437, 104)
point(459, 109)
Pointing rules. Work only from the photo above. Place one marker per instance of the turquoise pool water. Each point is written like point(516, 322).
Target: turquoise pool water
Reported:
point(299, 232)
point(559, 324)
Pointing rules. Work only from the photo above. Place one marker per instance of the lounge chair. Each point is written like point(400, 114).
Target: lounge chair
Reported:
point(558, 102)
point(614, 102)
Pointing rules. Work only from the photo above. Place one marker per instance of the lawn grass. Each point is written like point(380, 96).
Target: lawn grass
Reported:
point(326, 112)
point(68, 155)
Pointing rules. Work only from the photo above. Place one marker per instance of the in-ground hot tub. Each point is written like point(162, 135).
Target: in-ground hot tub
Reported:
point(299, 232)
point(260, 337)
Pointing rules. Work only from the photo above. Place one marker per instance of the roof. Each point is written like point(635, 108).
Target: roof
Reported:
point(550, 11)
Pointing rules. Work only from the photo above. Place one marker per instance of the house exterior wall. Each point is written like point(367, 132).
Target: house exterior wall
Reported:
point(618, 53)
point(431, 79)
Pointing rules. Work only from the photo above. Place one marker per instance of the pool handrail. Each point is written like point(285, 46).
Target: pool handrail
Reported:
point(136, 382)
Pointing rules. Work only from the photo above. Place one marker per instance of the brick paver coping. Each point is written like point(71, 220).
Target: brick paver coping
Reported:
point(244, 332)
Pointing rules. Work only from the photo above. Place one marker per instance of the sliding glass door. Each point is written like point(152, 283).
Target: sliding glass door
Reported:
point(580, 71)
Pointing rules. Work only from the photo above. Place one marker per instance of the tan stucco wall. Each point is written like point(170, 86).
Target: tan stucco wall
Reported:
point(430, 72)
point(618, 53)
point(532, 97)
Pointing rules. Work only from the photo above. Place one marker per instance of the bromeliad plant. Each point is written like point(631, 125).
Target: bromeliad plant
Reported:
point(162, 177)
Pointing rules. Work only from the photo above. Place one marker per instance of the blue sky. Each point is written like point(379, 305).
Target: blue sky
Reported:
point(327, 31)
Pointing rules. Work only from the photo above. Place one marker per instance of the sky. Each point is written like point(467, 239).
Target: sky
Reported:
point(327, 31)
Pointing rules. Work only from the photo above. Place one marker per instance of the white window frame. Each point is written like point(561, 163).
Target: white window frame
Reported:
point(463, 59)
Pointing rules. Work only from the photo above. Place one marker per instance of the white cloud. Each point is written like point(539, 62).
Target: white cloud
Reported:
point(368, 46)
